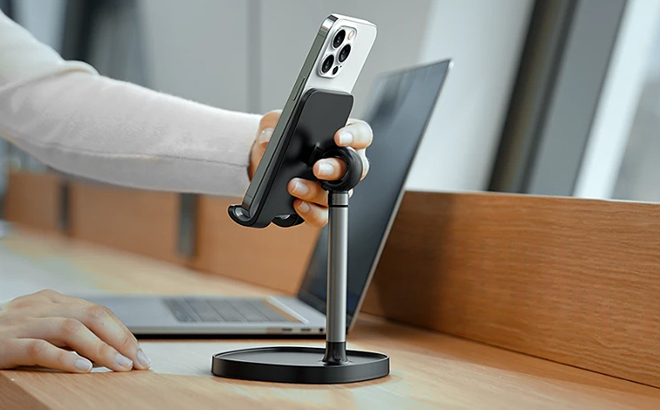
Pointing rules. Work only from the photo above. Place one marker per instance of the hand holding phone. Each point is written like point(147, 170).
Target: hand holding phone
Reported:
point(310, 197)
point(332, 66)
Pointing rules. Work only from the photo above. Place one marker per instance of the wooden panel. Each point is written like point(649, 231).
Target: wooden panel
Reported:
point(574, 281)
point(146, 222)
point(33, 199)
point(94, 267)
point(271, 257)
point(143, 222)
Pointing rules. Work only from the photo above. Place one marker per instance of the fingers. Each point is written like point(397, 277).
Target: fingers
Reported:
point(38, 352)
point(308, 191)
point(266, 126)
point(357, 135)
point(314, 215)
point(49, 294)
point(37, 328)
point(32, 300)
point(332, 169)
point(269, 120)
point(365, 163)
point(108, 328)
point(258, 150)
point(74, 334)
point(329, 169)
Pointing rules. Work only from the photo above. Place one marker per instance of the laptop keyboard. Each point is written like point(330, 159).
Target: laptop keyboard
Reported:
point(193, 310)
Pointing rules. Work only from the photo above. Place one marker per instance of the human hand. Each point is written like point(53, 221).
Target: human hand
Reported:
point(311, 200)
point(35, 330)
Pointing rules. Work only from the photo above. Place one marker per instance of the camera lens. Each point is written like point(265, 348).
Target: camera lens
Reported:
point(335, 70)
point(339, 38)
point(343, 54)
point(327, 64)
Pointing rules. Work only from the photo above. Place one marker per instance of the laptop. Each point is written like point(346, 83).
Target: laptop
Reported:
point(400, 107)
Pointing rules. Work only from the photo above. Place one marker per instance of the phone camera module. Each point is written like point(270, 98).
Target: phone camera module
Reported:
point(339, 38)
point(327, 64)
point(343, 54)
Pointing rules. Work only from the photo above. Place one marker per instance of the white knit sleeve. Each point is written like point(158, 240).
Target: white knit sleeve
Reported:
point(79, 122)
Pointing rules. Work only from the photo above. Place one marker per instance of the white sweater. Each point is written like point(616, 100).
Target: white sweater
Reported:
point(71, 118)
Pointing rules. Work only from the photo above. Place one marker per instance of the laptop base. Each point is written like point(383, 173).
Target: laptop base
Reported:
point(294, 364)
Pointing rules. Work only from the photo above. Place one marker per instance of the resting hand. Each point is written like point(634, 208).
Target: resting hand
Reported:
point(36, 329)
point(311, 200)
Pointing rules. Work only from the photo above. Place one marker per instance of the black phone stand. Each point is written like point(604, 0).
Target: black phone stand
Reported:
point(334, 364)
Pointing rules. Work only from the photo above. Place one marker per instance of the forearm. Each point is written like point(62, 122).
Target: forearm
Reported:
point(79, 122)
point(120, 133)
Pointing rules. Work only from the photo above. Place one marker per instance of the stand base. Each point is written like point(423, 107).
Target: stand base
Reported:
point(298, 365)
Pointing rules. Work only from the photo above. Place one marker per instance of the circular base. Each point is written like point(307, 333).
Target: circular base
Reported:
point(298, 365)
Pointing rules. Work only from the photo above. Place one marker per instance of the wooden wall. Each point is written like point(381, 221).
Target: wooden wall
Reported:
point(570, 280)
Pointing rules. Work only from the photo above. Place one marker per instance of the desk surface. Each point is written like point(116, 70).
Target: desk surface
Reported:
point(429, 370)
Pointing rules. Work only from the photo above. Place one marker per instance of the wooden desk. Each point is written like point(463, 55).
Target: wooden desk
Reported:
point(429, 370)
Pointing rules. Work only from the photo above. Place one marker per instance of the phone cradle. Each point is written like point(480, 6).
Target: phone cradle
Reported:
point(334, 364)
point(308, 134)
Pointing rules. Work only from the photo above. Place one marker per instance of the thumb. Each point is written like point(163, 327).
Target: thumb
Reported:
point(258, 150)
point(263, 139)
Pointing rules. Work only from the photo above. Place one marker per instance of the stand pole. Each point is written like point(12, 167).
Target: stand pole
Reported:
point(335, 342)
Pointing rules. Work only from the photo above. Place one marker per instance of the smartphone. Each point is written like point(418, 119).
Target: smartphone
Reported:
point(334, 63)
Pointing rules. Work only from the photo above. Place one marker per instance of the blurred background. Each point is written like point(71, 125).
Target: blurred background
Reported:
point(555, 97)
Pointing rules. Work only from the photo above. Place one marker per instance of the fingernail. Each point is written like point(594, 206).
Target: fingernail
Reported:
point(345, 137)
point(326, 169)
point(123, 361)
point(143, 359)
point(265, 135)
point(299, 188)
point(303, 207)
point(83, 364)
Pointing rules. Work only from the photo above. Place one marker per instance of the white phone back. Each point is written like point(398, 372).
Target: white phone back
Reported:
point(360, 48)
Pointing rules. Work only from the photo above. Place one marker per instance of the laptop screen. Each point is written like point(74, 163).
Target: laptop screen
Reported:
point(399, 110)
